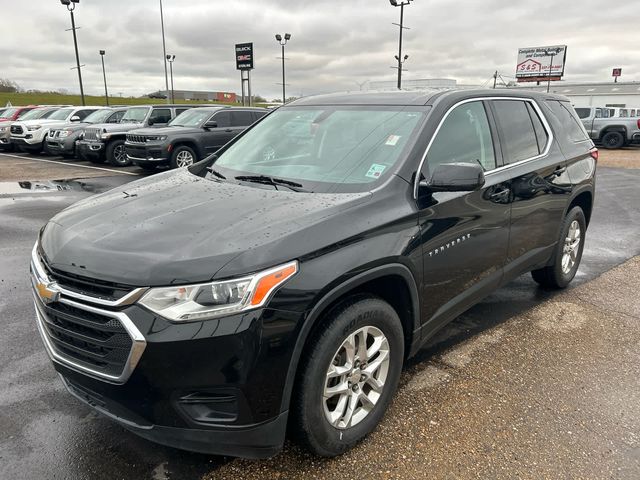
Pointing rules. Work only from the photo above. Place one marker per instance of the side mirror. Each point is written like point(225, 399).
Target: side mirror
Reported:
point(150, 122)
point(211, 124)
point(75, 118)
point(455, 177)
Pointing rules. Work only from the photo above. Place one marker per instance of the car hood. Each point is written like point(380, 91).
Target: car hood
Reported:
point(116, 127)
point(176, 227)
point(72, 126)
point(166, 130)
point(40, 121)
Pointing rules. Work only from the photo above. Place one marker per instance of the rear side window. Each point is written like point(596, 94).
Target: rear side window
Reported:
point(160, 115)
point(241, 119)
point(464, 136)
point(258, 115)
point(565, 114)
point(518, 133)
point(585, 112)
point(541, 134)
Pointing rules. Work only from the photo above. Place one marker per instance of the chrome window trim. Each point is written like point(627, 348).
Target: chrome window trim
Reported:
point(535, 106)
point(137, 348)
point(41, 276)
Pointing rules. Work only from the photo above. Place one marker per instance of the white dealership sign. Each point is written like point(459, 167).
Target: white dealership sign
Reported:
point(535, 63)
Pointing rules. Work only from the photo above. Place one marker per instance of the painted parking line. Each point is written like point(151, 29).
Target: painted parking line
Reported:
point(122, 172)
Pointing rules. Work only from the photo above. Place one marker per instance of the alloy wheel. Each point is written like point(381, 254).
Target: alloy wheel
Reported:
point(184, 159)
point(356, 378)
point(571, 247)
point(120, 154)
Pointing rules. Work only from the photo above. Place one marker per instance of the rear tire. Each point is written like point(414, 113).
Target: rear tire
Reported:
point(567, 254)
point(359, 384)
point(116, 154)
point(613, 140)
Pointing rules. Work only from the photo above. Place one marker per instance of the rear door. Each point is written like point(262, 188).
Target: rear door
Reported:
point(240, 120)
point(223, 132)
point(540, 184)
point(464, 235)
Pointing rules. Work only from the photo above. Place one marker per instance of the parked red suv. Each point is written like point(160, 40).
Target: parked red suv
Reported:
point(12, 114)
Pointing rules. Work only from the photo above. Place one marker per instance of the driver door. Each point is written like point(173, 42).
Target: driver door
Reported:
point(464, 235)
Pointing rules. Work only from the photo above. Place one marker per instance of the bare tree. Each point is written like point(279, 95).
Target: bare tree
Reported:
point(7, 85)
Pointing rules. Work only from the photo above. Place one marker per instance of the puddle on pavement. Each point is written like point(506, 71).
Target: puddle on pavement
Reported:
point(44, 186)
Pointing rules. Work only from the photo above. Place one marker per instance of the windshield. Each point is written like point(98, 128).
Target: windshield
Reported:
point(583, 112)
point(9, 113)
point(135, 115)
point(324, 149)
point(191, 118)
point(61, 114)
point(99, 116)
point(38, 113)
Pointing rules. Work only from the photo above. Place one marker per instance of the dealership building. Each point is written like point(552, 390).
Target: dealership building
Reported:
point(229, 97)
point(597, 94)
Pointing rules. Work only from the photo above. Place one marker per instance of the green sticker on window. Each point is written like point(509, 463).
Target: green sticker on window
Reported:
point(375, 171)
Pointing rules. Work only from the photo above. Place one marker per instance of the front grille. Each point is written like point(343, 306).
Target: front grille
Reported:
point(93, 341)
point(92, 134)
point(136, 138)
point(85, 285)
point(17, 129)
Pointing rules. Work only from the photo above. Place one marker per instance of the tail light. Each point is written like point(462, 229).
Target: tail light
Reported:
point(594, 151)
point(638, 123)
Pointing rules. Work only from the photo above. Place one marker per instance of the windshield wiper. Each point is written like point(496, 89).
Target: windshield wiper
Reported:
point(264, 179)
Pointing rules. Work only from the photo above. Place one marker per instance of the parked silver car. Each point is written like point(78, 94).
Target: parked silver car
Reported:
point(611, 132)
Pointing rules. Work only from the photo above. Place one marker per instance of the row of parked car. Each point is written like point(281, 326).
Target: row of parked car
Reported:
point(146, 135)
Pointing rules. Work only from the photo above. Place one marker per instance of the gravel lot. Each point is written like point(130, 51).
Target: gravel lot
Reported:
point(628, 157)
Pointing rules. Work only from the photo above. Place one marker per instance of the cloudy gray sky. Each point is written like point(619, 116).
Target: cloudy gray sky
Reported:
point(334, 43)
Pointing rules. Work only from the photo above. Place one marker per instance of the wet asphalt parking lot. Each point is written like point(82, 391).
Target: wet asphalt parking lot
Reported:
point(527, 384)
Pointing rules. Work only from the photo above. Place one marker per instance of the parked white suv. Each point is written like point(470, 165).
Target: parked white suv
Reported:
point(30, 135)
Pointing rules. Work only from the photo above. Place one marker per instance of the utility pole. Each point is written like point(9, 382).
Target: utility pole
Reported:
point(104, 75)
point(164, 51)
point(550, 67)
point(71, 5)
point(495, 79)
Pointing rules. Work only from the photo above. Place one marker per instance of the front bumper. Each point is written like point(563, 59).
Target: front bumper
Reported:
point(64, 146)
point(90, 149)
point(147, 154)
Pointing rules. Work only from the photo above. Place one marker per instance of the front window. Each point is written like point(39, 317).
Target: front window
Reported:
point(8, 113)
point(135, 115)
point(61, 114)
point(324, 148)
point(191, 118)
point(99, 116)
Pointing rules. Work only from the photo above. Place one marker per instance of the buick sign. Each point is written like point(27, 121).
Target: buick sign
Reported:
point(244, 56)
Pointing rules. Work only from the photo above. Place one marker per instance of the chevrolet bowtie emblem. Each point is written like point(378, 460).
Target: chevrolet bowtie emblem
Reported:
point(48, 292)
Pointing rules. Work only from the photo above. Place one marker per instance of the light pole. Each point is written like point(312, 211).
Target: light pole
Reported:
point(399, 57)
point(553, 54)
point(164, 51)
point(283, 42)
point(170, 59)
point(71, 5)
point(104, 75)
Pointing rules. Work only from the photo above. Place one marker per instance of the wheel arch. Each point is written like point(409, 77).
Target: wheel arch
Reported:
point(405, 301)
point(584, 200)
point(192, 144)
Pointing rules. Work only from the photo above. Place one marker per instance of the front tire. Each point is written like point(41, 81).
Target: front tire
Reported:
point(183, 156)
point(117, 155)
point(349, 376)
point(567, 254)
point(613, 140)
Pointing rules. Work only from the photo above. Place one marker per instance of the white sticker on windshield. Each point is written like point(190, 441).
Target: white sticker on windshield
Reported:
point(375, 170)
point(392, 140)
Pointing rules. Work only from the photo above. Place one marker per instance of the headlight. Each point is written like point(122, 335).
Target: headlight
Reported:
point(4, 129)
point(34, 127)
point(64, 134)
point(156, 138)
point(210, 300)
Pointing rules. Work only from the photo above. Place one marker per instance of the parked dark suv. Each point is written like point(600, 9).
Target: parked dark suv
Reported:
point(105, 142)
point(189, 137)
point(285, 280)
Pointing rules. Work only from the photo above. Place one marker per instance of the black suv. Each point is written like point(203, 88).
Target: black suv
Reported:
point(284, 281)
point(105, 142)
point(189, 137)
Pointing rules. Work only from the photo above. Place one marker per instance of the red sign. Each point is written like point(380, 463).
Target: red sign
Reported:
point(617, 72)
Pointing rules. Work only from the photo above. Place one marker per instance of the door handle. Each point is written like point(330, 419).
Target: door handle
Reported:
point(559, 171)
